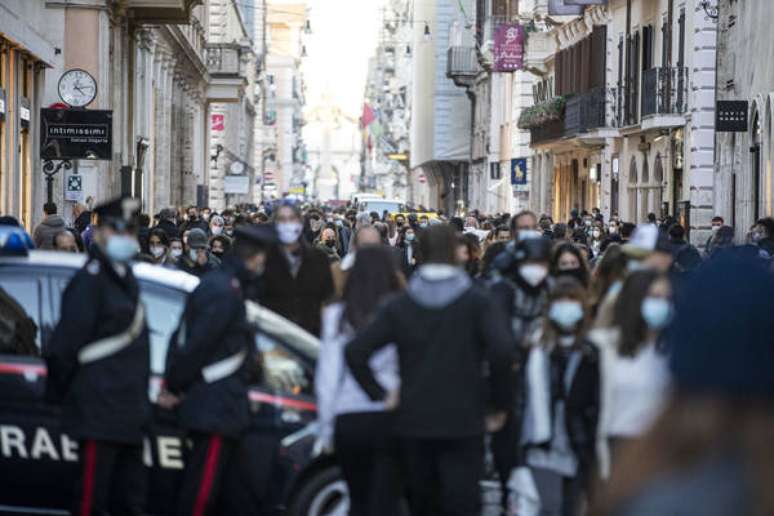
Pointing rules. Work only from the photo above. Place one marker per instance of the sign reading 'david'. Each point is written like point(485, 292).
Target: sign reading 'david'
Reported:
point(731, 116)
point(509, 47)
point(76, 134)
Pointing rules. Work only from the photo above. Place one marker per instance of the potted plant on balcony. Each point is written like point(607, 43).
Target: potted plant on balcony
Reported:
point(542, 114)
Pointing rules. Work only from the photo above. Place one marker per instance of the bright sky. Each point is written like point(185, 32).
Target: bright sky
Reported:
point(344, 36)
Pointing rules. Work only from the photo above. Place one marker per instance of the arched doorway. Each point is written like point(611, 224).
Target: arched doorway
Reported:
point(633, 191)
point(658, 179)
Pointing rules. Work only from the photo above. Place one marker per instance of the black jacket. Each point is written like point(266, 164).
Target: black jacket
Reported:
point(169, 228)
point(298, 298)
point(523, 303)
point(442, 353)
point(215, 328)
point(106, 399)
point(185, 264)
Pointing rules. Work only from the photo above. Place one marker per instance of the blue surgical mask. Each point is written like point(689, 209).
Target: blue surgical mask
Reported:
point(289, 232)
point(410, 237)
point(657, 312)
point(121, 248)
point(566, 314)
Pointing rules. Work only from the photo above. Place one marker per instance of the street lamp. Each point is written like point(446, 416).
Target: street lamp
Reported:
point(50, 170)
point(428, 36)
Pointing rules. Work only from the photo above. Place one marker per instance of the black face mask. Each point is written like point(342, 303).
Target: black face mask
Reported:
point(576, 273)
point(219, 254)
point(330, 243)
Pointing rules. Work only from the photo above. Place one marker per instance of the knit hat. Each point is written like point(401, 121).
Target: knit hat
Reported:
point(197, 239)
point(722, 342)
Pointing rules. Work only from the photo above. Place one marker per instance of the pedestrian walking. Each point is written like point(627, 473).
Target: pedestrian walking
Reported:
point(709, 451)
point(99, 368)
point(560, 400)
point(210, 363)
point(360, 429)
point(364, 237)
point(567, 261)
point(198, 261)
point(445, 331)
point(298, 277)
point(635, 379)
point(43, 236)
point(167, 223)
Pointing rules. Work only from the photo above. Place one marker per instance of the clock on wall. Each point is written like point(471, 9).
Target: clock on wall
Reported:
point(77, 88)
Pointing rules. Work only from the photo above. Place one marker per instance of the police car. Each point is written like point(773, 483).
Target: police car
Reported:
point(277, 473)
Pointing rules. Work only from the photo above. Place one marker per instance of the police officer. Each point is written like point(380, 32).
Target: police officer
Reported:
point(99, 366)
point(210, 363)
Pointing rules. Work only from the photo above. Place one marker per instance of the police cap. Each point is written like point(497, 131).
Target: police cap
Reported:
point(121, 214)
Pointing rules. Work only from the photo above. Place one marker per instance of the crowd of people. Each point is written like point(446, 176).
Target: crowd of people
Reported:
point(592, 366)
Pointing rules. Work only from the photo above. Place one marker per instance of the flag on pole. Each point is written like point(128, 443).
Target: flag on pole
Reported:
point(368, 116)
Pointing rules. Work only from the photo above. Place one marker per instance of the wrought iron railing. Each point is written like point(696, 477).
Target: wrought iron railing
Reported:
point(664, 91)
point(587, 111)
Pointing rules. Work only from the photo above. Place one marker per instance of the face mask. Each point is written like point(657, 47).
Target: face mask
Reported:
point(192, 218)
point(715, 229)
point(587, 222)
point(576, 273)
point(176, 253)
point(423, 224)
point(315, 225)
point(193, 254)
point(635, 265)
point(656, 312)
point(157, 250)
point(566, 314)
point(410, 237)
point(596, 233)
point(400, 223)
point(289, 232)
point(528, 234)
point(613, 230)
point(756, 236)
point(533, 273)
point(121, 248)
point(330, 243)
point(216, 230)
point(339, 223)
point(219, 254)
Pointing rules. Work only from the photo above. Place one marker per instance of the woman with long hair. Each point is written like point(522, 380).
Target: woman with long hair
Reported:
point(710, 452)
point(360, 429)
point(561, 402)
point(567, 260)
point(635, 378)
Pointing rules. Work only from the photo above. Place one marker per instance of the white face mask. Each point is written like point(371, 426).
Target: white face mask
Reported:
point(533, 273)
point(121, 248)
point(176, 253)
point(613, 230)
point(289, 232)
point(566, 314)
point(193, 254)
point(657, 312)
point(596, 233)
point(157, 250)
point(715, 229)
point(529, 234)
point(216, 230)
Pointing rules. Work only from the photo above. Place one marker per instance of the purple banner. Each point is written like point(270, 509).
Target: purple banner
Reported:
point(509, 48)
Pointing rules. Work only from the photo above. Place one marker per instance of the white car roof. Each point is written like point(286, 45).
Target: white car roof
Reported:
point(267, 320)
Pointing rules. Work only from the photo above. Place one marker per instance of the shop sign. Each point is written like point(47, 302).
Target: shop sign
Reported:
point(236, 185)
point(564, 7)
point(2, 104)
point(24, 112)
point(519, 172)
point(218, 122)
point(76, 134)
point(509, 47)
point(731, 116)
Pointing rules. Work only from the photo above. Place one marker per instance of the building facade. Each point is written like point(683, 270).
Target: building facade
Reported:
point(743, 173)
point(624, 113)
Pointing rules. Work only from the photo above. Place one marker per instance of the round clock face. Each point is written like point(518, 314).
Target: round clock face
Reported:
point(237, 167)
point(77, 88)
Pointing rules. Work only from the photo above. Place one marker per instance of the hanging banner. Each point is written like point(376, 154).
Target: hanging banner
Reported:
point(76, 134)
point(217, 122)
point(509, 47)
point(519, 174)
point(563, 8)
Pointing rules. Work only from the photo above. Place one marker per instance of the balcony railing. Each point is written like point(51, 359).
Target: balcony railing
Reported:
point(586, 111)
point(462, 65)
point(224, 59)
point(547, 132)
point(664, 91)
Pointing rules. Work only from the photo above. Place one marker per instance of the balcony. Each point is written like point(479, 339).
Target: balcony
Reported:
point(462, 65)
point(664, 97)
point(161, 11)
point(586, 111)
point(227, 73)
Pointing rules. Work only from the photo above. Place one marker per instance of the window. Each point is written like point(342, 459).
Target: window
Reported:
point(163, 308)
point(283, 371)
point(494, 170)
point(25, 290)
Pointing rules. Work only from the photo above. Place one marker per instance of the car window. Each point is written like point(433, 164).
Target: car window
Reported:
point(284, 372)
point(163, 308)
point(25, 291)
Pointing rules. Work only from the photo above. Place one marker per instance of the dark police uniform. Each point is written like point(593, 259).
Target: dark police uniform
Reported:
point(211, 362)
point(99, 367)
